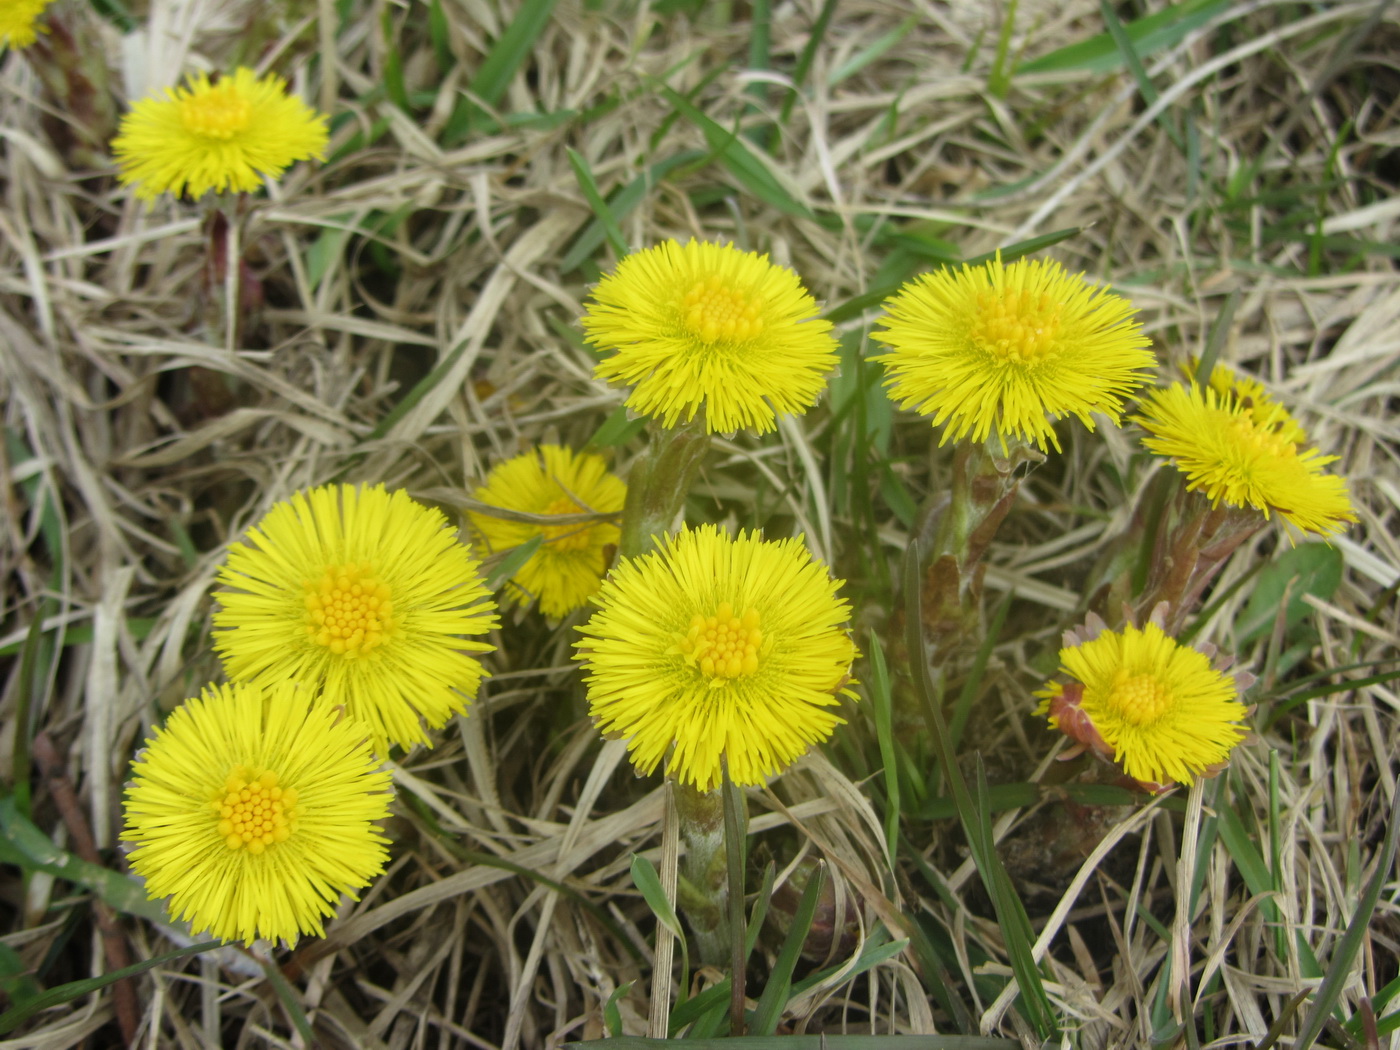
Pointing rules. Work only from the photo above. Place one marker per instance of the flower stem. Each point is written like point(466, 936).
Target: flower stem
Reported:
point(704, 879)
point(984, 486)
point(659, 483)
point(1191, 548)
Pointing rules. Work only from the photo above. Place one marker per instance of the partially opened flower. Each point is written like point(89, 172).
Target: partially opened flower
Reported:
point(364, 595)
point(224, 136)
point(1161, 710)
point(17, 18)
point(1006, 349)
point(1239, 447)
point(718, 646)
point(553, 481)
point(701, 326)
point(254, 811)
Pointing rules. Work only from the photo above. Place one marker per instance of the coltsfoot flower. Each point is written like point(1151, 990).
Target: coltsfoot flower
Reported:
point(701, 326)
point(365, 596)
point(17, 18)
point(1159, 709)
point(224, 136)
point(1004, 349)
point(718, 646)
point(553, 481)
point(254, 811)
point(1238, 446)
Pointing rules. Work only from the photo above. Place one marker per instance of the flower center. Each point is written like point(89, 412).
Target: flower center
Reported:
point(723, 646)
point(1139, 699)
point(348, 610)
point(219, 112)
point(1257, 442)
point(715, 311)
point(571, 537)
point(254, 812)
point(1015, 326)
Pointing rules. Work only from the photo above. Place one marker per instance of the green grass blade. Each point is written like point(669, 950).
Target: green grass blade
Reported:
point(1156, 32)
point(804, 1042)
point(871, 53)
point(589, 185)
point(1339, 970)
point(999, 77)
point(962, 709)
point(809, 53)
point(66, 993)
point(513, 562)
point(775, 992)
point(509, 53)
point(287, 996)
point(622, 202)
point(882, 701)
point(738, 158)
point(1146, 88)
point(974, 814)
point(1216, 338)
point(28, 848)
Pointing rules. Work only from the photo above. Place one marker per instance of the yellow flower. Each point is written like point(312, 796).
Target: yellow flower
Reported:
point(551, 480)
point(17, 17)
point(363, 595)
point(254, 811)
point(219, 136)
point(708, 326)
point(1242, 448)
point(998, 348)
point(717, 646)
point(1140, 698)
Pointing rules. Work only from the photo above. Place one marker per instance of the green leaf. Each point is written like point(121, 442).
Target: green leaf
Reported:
point(645, 878)
point(618, 429)
point(28, 848)
point(1310, 568)
point(612, 1016)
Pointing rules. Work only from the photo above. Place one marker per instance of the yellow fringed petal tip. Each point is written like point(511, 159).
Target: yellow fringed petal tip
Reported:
point(553, 481)
point(1005, 349)
point(224, 136)
point(707, 326)
point(365, 596)
point(17, 18)
point(254, 811)
point(1160, 708)
point(718, 646)
point(1237, 446)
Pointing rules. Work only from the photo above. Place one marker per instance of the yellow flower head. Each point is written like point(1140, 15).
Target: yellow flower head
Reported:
point(17, 17)
point(1245, 451)
point(1140, 698)
point(365, 596)
point(553, 481)
point(219, 136)
point(998, 348)
point(703, 325)
point(718, 646)
point(254, 811)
